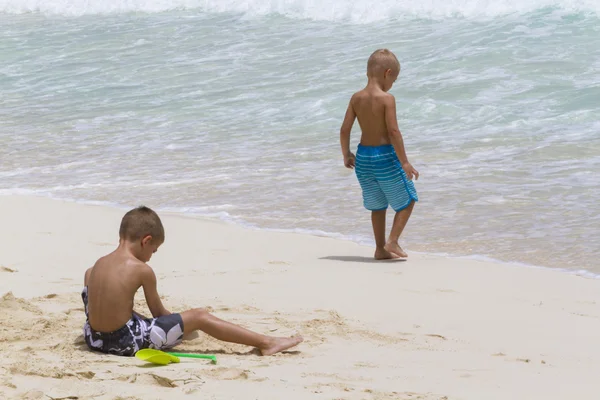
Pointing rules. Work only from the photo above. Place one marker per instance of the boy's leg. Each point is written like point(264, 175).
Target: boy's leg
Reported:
point(378, 220)
point(200, 319)
point(400, 220)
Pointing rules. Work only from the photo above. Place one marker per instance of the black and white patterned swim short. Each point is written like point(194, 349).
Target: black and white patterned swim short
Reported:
point(138, 333)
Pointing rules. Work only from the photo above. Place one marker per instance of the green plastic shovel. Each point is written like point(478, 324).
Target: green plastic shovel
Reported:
point(164, 358)
point(211, 357)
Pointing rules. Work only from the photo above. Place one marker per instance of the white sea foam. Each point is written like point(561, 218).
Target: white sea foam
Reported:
point(349, 10)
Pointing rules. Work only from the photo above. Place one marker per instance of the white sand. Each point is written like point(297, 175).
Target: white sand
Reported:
point(427, 328)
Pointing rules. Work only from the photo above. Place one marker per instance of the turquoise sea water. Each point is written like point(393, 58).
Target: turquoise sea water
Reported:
point(232, 109)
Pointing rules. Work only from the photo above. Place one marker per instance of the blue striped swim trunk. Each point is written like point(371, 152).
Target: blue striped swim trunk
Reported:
point(382, 179)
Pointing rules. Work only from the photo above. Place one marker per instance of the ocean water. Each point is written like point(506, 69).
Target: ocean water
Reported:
point(232, 108)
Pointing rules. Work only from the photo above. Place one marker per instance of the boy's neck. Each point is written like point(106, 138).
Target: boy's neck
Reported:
point(129, 248)
point(374, 83)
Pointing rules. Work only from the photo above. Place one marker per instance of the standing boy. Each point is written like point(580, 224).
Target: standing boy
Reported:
point(382, 168)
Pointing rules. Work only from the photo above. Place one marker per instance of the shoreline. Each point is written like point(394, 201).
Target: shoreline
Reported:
point(238, 222)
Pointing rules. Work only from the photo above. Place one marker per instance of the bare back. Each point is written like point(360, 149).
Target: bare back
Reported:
point(112, 283)
point(369, 107)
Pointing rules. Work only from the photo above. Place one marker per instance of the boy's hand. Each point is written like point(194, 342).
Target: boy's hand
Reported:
point(410, 171)
point(350, 160)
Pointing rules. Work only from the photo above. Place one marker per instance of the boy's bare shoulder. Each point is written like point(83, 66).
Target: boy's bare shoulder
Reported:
point(88, 272)
point(134, 268)
point(139, 268)
point(385, 96)
point(357, 95)
point(386, 99)
point(377, 96)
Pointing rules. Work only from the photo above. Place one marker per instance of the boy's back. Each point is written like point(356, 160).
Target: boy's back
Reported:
point(369, 106)
point(111, 286)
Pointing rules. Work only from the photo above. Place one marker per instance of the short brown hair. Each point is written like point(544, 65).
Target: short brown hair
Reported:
point(382, 60)
point(141, 222)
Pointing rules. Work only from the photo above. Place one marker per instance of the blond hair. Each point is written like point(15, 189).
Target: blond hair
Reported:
point(381, 60)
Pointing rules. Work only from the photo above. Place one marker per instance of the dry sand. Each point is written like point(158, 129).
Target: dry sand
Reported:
point(427, 328)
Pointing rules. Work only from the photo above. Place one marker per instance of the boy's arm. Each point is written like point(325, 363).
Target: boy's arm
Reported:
point(150, 292)
point(86, 277)
point(396, 137)
point(349, 159)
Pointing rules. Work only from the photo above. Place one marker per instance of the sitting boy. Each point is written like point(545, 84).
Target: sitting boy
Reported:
point(110, 286)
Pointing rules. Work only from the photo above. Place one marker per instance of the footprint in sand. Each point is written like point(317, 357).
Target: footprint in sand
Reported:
point(279, 263)
point(433, 335)
point(365, 365)
point(523, 360)
point(374, 394)
point(33, 395)
point(7, 383)
point(74, 310)
point(230, 374)
point(127, 398)
point(163, 381)
point(86, 374)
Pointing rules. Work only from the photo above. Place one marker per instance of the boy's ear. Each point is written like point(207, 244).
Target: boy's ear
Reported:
point(146, 240)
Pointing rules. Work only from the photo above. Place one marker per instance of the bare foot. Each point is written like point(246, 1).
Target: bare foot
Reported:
point(396, 249)
point(383, 254)
point(280, 344)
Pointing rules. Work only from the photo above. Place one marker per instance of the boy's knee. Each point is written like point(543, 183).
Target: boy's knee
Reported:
point(201, 314)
